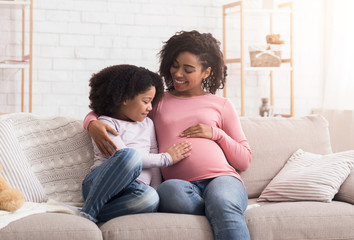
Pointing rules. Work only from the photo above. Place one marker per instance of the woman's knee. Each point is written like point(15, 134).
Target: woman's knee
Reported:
point(217, 197)
point(179, 196)
point(169, 188)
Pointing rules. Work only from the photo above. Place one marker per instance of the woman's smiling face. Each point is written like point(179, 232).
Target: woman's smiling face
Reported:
point(187, 74)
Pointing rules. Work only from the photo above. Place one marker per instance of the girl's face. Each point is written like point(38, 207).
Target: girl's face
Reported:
point(136, 109)
point(187, 74)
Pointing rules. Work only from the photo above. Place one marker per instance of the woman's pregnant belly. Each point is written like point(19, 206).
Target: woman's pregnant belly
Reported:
point(207, 160)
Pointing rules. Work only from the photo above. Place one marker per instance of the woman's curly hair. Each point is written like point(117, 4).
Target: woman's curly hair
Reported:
point(205, 47)
point(113, 85)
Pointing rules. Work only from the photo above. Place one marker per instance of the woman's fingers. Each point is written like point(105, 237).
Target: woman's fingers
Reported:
point(199, 130)
point(105, 149)
point(99, 133)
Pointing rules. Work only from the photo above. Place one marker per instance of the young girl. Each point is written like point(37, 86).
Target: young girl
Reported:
point(206, 182)
point(123, 96)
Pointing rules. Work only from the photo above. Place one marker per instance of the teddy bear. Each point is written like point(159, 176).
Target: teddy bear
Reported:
point(274, 39)
point(10, 199)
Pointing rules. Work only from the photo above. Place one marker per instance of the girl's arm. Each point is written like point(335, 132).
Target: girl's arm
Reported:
point(174, 154)
point(99, 133)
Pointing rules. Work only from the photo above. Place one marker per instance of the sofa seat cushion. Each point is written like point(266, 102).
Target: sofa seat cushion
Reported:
point(301, 220)
point(51, 226)
point(157, 226)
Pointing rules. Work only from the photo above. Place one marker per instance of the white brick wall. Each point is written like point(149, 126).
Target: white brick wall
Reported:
point(74, 39)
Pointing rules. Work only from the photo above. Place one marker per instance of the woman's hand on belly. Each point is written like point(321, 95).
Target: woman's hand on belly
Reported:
point(198, 131)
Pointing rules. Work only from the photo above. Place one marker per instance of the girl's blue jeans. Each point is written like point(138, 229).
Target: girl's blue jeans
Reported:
point(223, 200)
point(110, 190)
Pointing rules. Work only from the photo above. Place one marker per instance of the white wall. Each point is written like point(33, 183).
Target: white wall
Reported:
point(73, 39)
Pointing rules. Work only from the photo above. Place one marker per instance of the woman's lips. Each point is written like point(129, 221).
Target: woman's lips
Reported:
point(180, 82)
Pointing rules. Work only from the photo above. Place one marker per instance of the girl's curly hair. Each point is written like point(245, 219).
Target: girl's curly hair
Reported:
point(113, 85)
point(205, 47)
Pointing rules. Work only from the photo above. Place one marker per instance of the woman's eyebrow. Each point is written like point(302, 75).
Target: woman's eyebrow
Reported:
point(187, 65)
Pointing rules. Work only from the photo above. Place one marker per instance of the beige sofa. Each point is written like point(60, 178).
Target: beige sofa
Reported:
point(60, 153)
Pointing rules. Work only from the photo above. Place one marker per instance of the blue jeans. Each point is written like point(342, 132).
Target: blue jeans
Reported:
point(223, 200)
point(110, 190)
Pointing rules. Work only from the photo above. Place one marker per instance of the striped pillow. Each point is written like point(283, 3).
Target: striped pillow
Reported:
point(16, 169)
point(310, 177)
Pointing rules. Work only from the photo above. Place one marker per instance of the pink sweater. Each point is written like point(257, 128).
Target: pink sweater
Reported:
point(227, 151)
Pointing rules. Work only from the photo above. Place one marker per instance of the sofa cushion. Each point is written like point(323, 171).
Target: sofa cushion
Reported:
point(59, 151)
point(346, 191)
point(310, 177)
point(53, 226)
point(158, 226)
point(301, 220)
point(16, 169)
point(274, 140)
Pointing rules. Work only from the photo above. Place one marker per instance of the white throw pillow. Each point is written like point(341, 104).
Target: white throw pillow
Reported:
point(16, 169)
point(59, 151)
point(309, 177)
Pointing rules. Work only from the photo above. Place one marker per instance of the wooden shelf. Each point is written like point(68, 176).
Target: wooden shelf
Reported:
point(23, 6)
point(15, 65)
point(14, 4)
point(237, 7)
point(261, 11)
point(282, 68)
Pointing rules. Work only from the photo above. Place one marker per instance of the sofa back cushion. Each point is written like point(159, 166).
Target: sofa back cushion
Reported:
point(274, 140)
point(59, 151)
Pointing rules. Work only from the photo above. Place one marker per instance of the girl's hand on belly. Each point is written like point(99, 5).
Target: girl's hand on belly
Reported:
point(179, 151)
point(198, 131)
